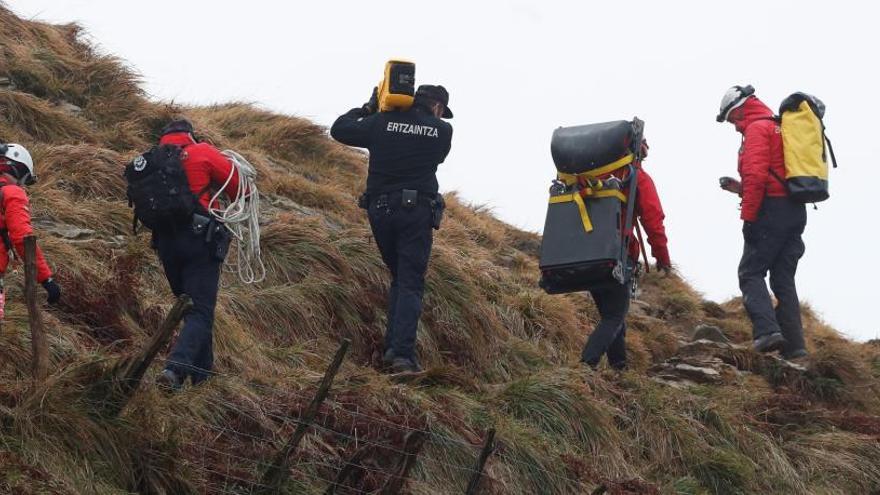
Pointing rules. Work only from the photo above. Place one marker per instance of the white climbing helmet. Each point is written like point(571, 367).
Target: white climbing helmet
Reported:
point(733, 98)
point(19, 154)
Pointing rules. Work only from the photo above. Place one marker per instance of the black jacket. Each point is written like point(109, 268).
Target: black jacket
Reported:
point(405, 147)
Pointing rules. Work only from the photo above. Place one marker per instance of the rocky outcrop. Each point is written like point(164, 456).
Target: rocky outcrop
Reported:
point(709, 332)
point(705, 361)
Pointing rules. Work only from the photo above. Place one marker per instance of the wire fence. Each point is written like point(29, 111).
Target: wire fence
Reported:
point(334, 409)
point(319, 427)
point(335, 406)
point(342, 429)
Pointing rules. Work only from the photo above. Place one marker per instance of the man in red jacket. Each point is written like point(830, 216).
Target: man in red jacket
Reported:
point(16, 170)
point(192, 255)
point(609, 336)
point(772, 225)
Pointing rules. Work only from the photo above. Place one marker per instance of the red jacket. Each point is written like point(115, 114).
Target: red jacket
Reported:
point(15, 219)
point(205, 167)
point(649, 212)
point(761, 151)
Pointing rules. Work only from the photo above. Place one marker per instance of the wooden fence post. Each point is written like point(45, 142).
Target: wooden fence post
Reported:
point(277, 473)
point(135, 369)
point(488, 448)
point(125, 378)
point(39, 344)
point(414, 442)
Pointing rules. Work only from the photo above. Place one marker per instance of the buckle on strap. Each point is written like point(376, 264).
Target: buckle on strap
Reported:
point(588, 185)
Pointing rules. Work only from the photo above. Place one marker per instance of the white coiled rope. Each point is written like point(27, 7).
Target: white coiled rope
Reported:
point(241, 215)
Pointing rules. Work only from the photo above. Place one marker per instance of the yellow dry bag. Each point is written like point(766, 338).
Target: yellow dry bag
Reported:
point(804, 144)
point(397, 88)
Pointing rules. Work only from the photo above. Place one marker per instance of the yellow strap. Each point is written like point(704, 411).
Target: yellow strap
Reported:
point(582, 208)
point(568, 179)
point(611, 167)
point(571, 179)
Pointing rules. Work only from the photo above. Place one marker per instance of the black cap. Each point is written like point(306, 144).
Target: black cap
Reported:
point(437, 94)
point(180, 125)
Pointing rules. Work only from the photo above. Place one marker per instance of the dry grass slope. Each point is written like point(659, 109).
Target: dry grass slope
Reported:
point(501, 352)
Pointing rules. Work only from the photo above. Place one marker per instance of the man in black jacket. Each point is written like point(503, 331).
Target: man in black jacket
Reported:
point(402, 201)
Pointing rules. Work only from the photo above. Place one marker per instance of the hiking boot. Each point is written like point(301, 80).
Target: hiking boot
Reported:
point(799, 360)
point(795, 355)
point(388, 358)
point(405, 365)
point(619, 366)
point(586, 370)
point(769, 343)
point(591, 366)
point(169, 381)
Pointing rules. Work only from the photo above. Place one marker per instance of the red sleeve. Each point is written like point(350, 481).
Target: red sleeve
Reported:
point(651, 215)
point(754, 169)
point(4, 258)
point(18, 223)
point(220, 169)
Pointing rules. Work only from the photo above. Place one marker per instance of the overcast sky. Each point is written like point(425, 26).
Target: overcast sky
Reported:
point(518, 69)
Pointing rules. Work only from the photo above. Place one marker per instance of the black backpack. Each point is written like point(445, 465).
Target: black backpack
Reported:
point(158, 189)
point(586, 237)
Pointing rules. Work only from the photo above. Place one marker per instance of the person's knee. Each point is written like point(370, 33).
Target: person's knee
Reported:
point(751, 283)
point(410, 280)
point(413, 267)
point(782, 285)
point(747, 276)
point(615, 320)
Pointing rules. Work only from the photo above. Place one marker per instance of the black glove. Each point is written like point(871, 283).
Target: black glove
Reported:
point(53, 291)
point(730, 184)
point(372, 105)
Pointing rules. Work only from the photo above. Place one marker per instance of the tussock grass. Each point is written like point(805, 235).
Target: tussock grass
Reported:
point(40, 121)
point(83, 171)
point(499, 351)
point(559, 407)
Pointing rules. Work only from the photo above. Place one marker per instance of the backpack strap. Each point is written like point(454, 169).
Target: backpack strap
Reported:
point(4, 233)
point(780, 179)
point(590, 187)
point(638, 225)
point(830, 148)
point(778, 120)
point(621, 268)
point(208, 189)
point(620, 271)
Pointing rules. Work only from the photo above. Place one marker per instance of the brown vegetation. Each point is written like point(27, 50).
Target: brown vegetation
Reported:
point(501, 353)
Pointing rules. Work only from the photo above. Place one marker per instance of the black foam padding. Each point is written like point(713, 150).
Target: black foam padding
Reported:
point(586, 147)
point(573, 259)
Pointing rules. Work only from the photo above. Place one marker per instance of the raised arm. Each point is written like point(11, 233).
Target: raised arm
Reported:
point(353, 128)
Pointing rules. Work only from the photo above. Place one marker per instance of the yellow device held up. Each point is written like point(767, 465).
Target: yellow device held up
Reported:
point(397, 88)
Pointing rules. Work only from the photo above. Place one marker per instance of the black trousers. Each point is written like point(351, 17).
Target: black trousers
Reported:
point(609, 336)
point(773, 244)
point(404, 237)
point(192, 266)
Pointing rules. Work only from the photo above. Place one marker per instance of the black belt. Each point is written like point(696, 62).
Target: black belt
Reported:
point(395, 198)
point(403, 199)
